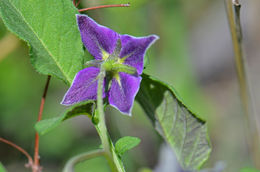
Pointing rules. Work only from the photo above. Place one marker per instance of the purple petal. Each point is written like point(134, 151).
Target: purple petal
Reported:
point(84, 87)
point(122, 94)
point(96, 37)
point(133, 49)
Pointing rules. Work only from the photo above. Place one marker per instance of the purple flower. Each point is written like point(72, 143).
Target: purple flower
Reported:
point(122, 56)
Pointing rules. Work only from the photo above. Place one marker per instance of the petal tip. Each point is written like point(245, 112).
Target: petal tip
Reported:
point(78, 16)
point(155, 37)
point(127, 112)
point(63, 102)
point(66, 102)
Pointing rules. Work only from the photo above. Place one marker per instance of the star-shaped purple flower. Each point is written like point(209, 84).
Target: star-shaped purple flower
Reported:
point(123, 59)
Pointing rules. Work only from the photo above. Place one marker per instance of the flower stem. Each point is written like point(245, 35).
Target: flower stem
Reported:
point(233, 12)
point(36, 145)
point(82, 157)
point(104, 6)
point(114, 161)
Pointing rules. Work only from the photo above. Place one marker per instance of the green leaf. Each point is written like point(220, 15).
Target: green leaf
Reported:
point(50, 29)
point(2, 168)
point(85, 108)
point(126, 143)
point(181, 129)
point(249, 170)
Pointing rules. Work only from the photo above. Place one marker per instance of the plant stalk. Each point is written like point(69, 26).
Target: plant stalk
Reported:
point(114, 161)
point(37, 167)
point(233, 11)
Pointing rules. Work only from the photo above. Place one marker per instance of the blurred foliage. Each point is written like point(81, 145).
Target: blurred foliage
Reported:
point(249, 170)
point(169, 59)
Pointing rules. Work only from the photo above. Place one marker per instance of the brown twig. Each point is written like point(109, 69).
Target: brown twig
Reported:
point(30, 161)
point(36, 145)
point(78, 3)
point(105, 6)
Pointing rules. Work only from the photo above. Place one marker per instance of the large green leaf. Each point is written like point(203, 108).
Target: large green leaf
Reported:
point(49, 26)
point(183, 130)
point(85, 108)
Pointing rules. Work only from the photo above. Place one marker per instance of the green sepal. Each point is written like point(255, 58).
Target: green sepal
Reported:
point(124, 68)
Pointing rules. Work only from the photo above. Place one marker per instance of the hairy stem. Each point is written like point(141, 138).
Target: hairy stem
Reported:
point(30, 161)
point(233, 12)
point(36, 145)
point(104, 6)
point(82, 157)
point(110, 154)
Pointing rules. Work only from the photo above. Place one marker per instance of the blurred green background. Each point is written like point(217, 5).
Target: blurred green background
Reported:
point(194, 54)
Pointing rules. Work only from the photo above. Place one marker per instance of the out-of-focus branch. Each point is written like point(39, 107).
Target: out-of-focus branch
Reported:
point(233, 11)
point(104, 6)
point(8, 44)
point(30, 161)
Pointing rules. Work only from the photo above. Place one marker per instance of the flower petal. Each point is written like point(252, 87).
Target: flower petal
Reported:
point(84, 87)
point(96, 38)
point(123, 91)
point(133, 50)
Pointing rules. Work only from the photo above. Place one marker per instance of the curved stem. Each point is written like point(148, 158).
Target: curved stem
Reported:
point(104, 6)
point(81, 157)
point(30, 161)
point(114, 161)
point(36, 145)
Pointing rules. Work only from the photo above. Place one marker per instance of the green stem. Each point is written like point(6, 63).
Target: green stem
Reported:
point(114, 161)
point(82, 157)
point(233, 12)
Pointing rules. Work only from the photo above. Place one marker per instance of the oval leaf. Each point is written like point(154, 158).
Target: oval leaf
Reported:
point(49, 26)
point(181, 129)
point(85, 108)
point(126, 143)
